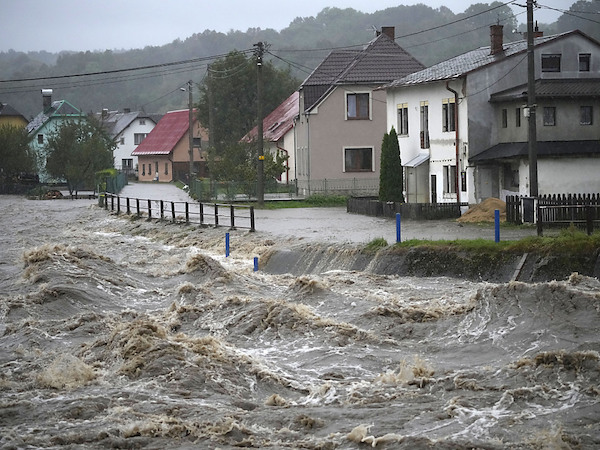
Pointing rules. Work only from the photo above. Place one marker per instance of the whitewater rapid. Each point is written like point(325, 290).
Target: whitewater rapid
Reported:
point(127, 333)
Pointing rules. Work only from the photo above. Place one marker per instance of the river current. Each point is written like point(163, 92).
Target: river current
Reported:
point(118, 332)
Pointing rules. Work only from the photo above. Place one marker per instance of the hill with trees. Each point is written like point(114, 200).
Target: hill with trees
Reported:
point(431, 35)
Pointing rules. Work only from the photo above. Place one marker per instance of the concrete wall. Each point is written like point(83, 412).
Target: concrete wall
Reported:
point(323, 135)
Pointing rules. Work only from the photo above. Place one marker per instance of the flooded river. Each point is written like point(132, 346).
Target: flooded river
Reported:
point(126, 333)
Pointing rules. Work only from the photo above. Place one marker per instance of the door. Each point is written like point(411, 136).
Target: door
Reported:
point(433, 188)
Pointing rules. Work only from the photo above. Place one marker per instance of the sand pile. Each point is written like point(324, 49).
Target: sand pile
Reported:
point(484, 212)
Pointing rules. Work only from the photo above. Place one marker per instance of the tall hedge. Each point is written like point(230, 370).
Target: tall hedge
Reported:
point(390, 175)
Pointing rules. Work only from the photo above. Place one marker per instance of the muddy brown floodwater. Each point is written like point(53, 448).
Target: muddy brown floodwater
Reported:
point(126, 333)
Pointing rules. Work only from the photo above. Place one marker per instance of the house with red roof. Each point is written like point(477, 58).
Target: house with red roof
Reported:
point(164, 155)
point(278, 134)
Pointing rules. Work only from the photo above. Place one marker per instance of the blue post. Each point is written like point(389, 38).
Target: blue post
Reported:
point(398, 232)
point(497, 224)
point(256, 263)
point(226, 245)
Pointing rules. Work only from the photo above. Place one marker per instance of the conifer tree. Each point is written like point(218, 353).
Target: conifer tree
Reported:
point(390, 175)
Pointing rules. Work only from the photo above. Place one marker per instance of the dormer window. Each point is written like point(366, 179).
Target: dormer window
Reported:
point(551, 63)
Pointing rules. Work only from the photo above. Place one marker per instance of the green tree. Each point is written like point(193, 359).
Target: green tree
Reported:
point(15, 154)
point(77, 150)
point(390, 175)
point(231, 82)
point(237, 162)
point(582, 15)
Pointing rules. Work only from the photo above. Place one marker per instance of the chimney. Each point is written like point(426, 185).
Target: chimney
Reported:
point(126, 110)
point(389, 32)
point(496, 38)
point(536, 32)
point(46, 98)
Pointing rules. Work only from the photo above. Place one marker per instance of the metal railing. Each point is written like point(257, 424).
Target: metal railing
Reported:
point(206, 214)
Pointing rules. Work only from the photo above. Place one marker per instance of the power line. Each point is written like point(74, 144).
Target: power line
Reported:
point(131, 69)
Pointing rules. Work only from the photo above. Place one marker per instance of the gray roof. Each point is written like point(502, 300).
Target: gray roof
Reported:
point(553, 88)
point(59, 108)
point(468, 62)
point(507, 150)
point(7, 110)
point(378, 62)
point(114, 122)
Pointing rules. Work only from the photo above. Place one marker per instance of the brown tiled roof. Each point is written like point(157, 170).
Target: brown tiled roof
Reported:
point(379, 62)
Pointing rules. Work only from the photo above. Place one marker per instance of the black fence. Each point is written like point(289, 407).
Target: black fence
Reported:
point(556, 210)
point(232, 216)
point(371, 206)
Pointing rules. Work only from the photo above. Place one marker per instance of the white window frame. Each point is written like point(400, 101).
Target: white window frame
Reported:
point(370, 105)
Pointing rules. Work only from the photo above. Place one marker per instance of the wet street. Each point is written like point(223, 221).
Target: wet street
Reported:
point(335, 225)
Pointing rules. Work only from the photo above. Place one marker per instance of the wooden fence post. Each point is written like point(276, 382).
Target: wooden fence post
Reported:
point(137, 205)
point(149, 209)
point(187, 212)
point(173, 211)
point(232, 215)
point(128, 206)
point(216, 215)
point(252, 228)
point(201, 213)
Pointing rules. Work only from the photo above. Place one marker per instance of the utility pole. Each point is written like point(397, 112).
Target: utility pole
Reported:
point(191, 131)
point(531, 104)
point(211, 107)
point(260, 48)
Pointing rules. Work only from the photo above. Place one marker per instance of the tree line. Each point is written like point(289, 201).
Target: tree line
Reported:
point(300, 47)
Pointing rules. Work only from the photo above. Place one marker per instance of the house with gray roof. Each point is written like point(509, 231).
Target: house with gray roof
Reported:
point(342, 117)
point(10, 116)
point(463, 126)
point(128, 129)
point(53, 115)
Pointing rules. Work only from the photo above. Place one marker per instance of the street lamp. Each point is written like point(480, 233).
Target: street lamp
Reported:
point(190, 130)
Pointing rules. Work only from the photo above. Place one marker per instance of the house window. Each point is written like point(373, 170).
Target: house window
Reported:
point(143, 169)
point(448, 114)
point(122, 141)
point(358, 159)
point(504, 118)
point(156, 166)
point(584, 62)
point(142, 121)
point(166, 168)
point(424, 124)
point(403, 119)
point(586, 114)
point(449, 179)
point(139, 137)
point(40, 138)
point(550, 63)
point(549, 116)
point(517, 117)
point(126, 164)
point(357, 106)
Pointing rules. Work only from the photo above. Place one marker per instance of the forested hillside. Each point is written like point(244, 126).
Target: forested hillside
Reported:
point(431, 35)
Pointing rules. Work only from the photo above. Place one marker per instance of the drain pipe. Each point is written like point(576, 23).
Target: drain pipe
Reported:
point(456, 143)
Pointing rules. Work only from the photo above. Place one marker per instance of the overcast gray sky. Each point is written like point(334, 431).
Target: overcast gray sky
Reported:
point(31, 25)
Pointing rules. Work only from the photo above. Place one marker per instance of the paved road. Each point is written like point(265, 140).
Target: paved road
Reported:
point(335, 224)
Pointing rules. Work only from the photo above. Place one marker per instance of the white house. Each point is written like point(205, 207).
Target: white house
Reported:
point(128, 129)
point(462, 129)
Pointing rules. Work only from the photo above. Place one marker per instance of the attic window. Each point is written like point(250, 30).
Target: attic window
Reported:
point(357, 106)
point(40, 138)
point(584, 62)
point(551, 63)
